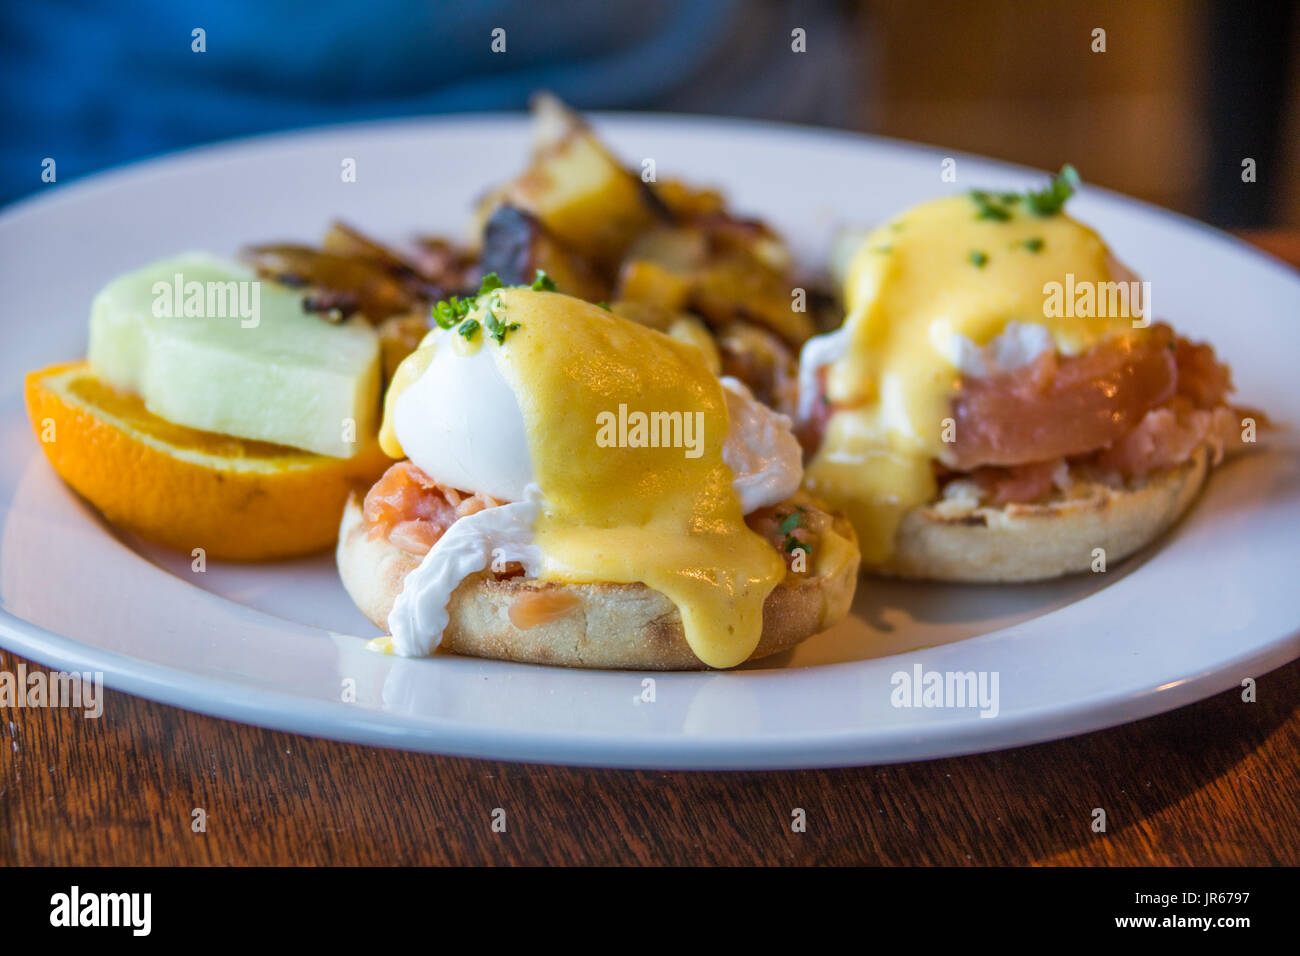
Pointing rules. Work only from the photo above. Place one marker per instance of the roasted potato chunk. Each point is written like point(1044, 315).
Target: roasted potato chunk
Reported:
point(578, 190)
point(762, 361)
point(352, 273)
point(516, 245)
point(399, 336)
point(341, 285)
point(721, 275)
point(685, 202)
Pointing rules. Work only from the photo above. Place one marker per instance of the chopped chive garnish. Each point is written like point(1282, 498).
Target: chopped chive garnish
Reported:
point(987, 209)
point(443, 315)
point(451, 311)
point(977, 259)
point(787, 526)
point(543, 282)
point(1050, 201)
point(496, 328)
point(1043, 202)
point(454, 313)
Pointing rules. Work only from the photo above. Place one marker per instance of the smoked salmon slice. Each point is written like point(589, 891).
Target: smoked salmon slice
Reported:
point(412, 511)
point(1057, 407)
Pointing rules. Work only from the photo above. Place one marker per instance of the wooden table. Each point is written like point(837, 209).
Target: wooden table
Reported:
point(1213, 783)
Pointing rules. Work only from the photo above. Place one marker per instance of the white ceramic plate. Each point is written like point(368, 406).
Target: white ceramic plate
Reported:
point(1213, 603)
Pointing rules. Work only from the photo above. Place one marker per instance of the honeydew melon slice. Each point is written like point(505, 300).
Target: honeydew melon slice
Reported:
point(206, 344)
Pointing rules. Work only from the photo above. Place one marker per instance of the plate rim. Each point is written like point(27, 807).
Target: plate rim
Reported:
point(276, 710)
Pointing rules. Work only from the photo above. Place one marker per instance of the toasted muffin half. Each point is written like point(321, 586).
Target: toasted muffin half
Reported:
point(963, 541)
point(611, 626)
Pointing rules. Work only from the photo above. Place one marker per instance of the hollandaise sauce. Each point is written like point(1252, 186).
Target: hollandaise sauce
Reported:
point(627, 515)
point(942, 274)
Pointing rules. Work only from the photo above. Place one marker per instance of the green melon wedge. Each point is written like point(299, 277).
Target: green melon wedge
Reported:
point(206, 344)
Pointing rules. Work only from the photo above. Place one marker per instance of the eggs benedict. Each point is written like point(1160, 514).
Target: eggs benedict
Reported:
point(579, 489)
point(998, 405)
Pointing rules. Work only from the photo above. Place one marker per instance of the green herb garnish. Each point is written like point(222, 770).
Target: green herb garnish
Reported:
point(787, 526)
point(604, 305)
point(496, 328)
point(987, 207)
point(792, 543)
point(1050, 201)
point(977, 258)
point(452, 311)
point(543, 283)
point(1033, 245)
point(443, 315)
point(1043, 202)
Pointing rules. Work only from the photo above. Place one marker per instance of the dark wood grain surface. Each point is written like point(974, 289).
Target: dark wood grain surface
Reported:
point(1214, 783)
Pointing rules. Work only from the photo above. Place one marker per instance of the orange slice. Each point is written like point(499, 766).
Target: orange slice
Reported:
point(237, 500)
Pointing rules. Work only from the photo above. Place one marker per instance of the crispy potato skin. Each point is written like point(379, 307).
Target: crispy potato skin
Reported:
point(516, 245)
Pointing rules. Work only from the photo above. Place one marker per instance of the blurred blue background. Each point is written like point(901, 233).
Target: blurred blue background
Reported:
point(1184, 90)
point(93, 84)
